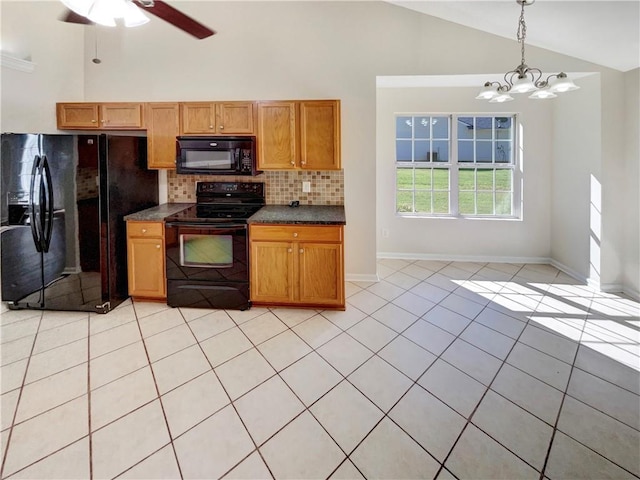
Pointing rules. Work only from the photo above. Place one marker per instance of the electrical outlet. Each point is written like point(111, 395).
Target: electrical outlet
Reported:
point(306, 187)
point(385, 233)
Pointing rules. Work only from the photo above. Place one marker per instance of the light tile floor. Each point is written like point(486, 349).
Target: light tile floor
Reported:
point(440, 370)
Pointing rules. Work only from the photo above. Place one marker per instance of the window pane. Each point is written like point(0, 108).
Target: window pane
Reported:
point(465, 151)
point(503, 204)
point(483, 127)
point(441, 179)
point(503, 127)
point(421, 151)
point(403, 150)
point(467, 179)
point(467, 203)
point(503, 180)
point(440, 151)
point(485, 203)
point(440, 127)
point(440, 202)
point(423, 179)
point(423, 202)
point(404, 202)
point(465, 127)
point(403, 127)
point(422, 129)
point(483, 151)
point(484, 180)
point(404, 178)
point(503, 152)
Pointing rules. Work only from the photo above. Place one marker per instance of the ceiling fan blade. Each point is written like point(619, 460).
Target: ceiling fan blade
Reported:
point(72, 17)
point(175, 17)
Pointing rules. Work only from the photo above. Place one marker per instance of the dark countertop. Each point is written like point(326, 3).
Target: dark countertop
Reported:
point(312, 214)
point(156, 214)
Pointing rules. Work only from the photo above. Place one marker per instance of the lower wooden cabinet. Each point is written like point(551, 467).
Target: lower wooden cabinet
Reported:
point(146, 260)
point(297, 265)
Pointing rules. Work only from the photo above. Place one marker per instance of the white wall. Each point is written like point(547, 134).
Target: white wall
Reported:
point(31, 30)
point(631, 216)
point(522, 240)
point(271, 50)
point(576, 231)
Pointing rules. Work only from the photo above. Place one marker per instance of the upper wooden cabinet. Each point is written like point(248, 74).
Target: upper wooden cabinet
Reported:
point(100, 116)
point(163, 120)
point(299, 135)
point(217, 118)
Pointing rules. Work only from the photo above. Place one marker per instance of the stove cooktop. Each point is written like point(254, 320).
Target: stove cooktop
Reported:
point(212, 213)
point(223, 202)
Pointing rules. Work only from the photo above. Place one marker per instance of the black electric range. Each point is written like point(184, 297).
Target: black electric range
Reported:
point(207, 248)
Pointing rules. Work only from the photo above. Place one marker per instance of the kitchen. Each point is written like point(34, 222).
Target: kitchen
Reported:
point(326, 50)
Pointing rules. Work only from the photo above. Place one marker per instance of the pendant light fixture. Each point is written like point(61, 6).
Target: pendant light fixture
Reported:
point(525, 79)
point(105, 12)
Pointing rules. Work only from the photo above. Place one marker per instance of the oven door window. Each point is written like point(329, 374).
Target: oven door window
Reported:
point(208, 159)
point(206, 251)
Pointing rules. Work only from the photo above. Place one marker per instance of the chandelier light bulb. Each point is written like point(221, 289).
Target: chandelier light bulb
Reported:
point(561, 83)
point(501, 98)
point(488, 92)
point(542, 94)
point(523, 84)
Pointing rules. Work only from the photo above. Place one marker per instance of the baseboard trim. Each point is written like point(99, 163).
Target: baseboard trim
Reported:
point(463, 258)
point(361, 277)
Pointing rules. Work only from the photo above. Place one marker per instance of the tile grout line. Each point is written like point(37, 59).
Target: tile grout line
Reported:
point(564, 396)
point(231, 401)
point(159, 397)
point(15, 413)
point(475, 409)
point(89, 396)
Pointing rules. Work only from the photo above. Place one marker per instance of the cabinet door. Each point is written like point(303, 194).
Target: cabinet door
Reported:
point(198, 118)
point(272, 268)
point(276, 135)
point(126, 116)
point(235, 118)
point(162, 129)
point(320, 135)
point(320, 273)
point(77, 116)
point(146, 267)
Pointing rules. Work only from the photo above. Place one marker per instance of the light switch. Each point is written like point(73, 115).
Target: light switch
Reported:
point(306, 187)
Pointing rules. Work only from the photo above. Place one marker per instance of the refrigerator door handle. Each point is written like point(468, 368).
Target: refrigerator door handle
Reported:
point(47, 205)
point(34, 213)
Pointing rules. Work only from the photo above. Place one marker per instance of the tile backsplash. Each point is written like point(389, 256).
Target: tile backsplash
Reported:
point(327, 187)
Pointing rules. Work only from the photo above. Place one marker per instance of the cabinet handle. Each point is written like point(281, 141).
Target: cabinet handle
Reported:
point(303, 162)
point(289, 250)
point(93, 121)
point(221, 127)
point(293, 163)
point(158, 247)
point(295, 234)
point(302, 250)
point(144, 230)
point(210, 126)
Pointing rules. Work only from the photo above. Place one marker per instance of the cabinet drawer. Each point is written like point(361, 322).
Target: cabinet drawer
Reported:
point(321, 233)
point(144, 229)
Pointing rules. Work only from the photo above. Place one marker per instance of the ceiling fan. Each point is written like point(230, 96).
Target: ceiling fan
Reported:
point(104, 12)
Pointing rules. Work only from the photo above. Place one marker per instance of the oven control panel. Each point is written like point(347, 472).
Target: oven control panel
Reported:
point(226, 189)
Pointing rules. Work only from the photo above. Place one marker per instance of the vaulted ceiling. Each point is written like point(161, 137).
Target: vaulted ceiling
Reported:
point(605, 32)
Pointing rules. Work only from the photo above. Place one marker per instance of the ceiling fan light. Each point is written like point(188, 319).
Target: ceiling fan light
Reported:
point(488, 92)
point(542, 94)
point(523, 85)
point(81, 7)
point(562, 83)
point(501, 98)
point(134, 17)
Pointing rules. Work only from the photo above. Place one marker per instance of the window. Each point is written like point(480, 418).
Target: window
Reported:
point(455, 165)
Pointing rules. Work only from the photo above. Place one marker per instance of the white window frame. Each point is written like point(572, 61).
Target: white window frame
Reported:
point(453, 166)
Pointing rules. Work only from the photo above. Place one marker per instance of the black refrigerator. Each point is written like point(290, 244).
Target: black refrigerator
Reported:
point(63, 200)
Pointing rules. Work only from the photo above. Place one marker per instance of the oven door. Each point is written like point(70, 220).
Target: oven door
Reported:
point(207, 265)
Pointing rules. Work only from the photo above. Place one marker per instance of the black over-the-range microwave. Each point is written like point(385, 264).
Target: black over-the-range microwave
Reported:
point(216, 155)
